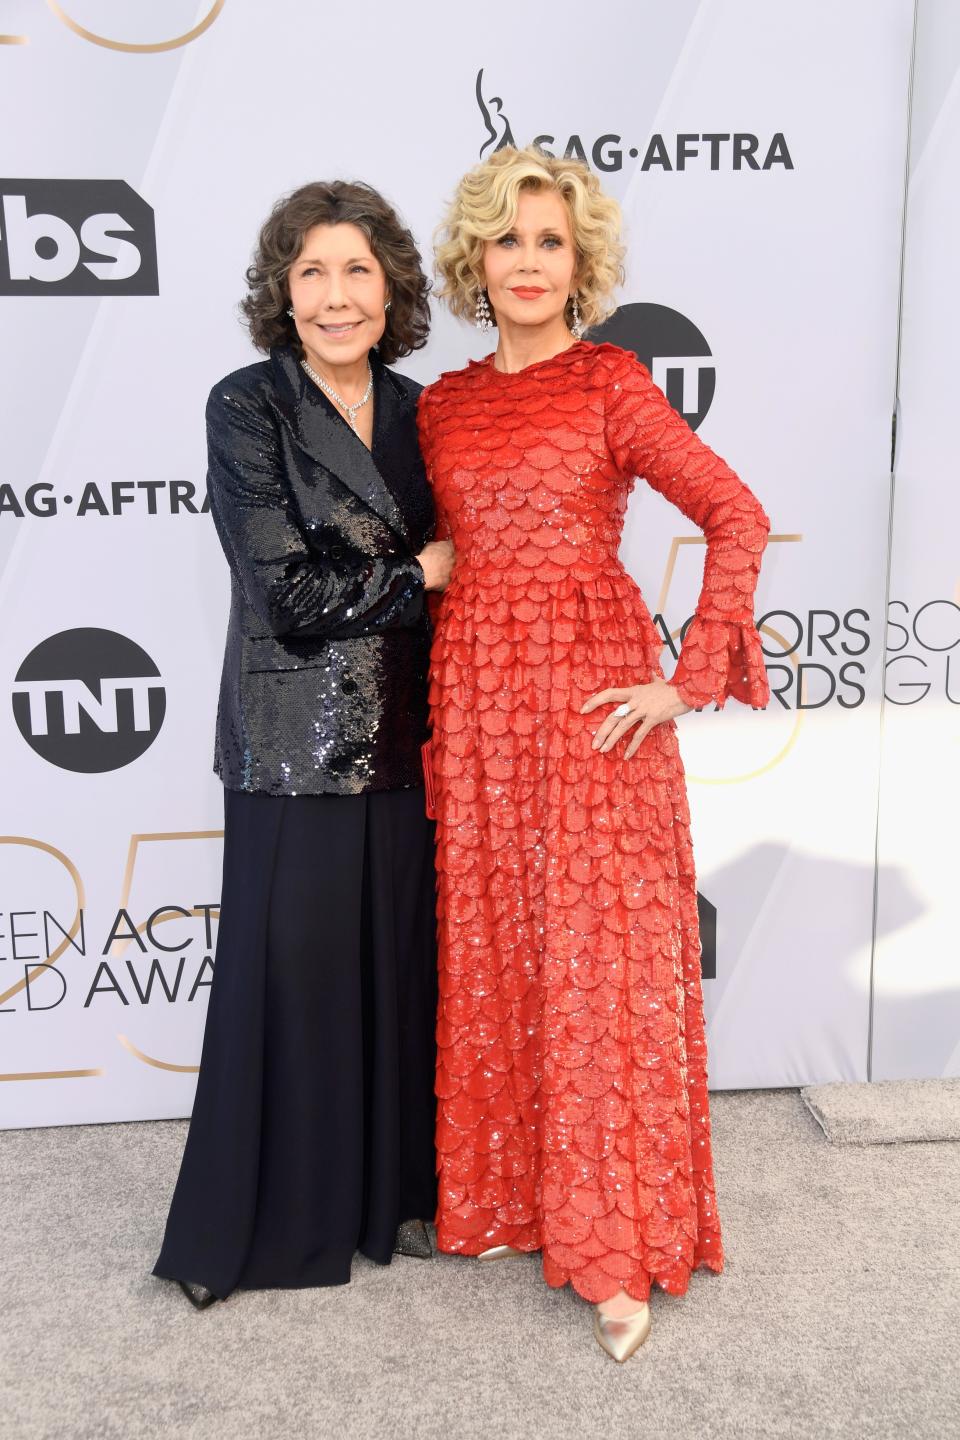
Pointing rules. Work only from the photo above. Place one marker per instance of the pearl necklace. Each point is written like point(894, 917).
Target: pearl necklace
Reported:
point(329, 391)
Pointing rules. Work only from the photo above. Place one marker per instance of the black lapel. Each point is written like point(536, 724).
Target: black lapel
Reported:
point(327, 439)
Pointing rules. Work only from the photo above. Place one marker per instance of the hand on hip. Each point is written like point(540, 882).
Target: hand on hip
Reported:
point(637, 709)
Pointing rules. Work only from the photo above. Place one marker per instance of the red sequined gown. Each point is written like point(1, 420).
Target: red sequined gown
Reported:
point(572, 1086)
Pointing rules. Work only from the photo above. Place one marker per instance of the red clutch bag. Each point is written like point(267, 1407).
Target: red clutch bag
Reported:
point(426, 755)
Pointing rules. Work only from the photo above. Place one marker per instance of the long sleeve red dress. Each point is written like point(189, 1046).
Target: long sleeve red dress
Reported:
point(572, 1085)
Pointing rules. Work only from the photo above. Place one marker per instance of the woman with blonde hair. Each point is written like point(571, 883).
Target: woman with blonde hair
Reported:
point(573, 1113)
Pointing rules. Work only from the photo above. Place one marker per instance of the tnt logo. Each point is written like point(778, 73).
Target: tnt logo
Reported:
point(673, 350)
point(89, 700)
point(76, 237)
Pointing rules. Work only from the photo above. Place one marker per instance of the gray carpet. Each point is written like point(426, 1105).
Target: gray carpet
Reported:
point(887, 1112)
point(838, 1314)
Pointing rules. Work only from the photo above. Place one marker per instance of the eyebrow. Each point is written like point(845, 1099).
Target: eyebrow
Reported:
point(554, 234)
point(355, 260)
point(550, 230)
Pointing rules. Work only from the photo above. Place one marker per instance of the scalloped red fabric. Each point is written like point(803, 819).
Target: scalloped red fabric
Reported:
point(572, 1085)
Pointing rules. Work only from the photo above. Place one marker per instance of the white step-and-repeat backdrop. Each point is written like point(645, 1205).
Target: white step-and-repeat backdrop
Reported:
point(759, 154)
point(916, 1015)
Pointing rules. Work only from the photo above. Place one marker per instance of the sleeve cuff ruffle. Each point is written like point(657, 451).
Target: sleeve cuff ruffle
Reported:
point(720, 658)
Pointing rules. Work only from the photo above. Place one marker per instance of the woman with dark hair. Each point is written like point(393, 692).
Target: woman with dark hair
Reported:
point(312, 1129)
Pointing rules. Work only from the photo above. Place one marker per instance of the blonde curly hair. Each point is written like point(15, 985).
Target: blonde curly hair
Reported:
point(485, 207)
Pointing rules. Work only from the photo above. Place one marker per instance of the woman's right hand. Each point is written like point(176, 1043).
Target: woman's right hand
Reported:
point(436, 560)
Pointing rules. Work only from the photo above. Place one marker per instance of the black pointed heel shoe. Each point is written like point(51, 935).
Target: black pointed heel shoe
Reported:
point(413, 1238)
point(198, 1295)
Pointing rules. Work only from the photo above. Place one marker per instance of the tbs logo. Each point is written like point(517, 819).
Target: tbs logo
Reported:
point(76, 237)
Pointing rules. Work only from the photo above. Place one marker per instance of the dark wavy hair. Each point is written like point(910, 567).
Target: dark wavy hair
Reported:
point(336, 202)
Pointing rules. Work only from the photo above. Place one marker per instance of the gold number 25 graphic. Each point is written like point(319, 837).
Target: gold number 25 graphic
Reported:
point(38, 973)
point(127, 47)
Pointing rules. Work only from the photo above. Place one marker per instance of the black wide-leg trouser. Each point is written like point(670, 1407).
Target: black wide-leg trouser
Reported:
point(313, 1124)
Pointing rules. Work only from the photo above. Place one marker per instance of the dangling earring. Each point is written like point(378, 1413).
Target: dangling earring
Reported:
point(577, 328)
point(388, 304)
point(483, 321)
point(290, 312)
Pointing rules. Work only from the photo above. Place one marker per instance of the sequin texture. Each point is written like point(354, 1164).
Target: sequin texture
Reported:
point(324, 686)
point(573, 1114)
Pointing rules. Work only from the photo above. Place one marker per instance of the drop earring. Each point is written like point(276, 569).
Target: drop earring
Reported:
point(290, 311)
point(577, 328)
point(484, 321)
point(388, 304)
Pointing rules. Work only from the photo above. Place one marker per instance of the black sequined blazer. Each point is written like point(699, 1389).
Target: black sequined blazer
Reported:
point(324, 686)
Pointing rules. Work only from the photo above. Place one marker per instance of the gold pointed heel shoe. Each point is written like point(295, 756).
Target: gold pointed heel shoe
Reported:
point(501, 1252)
point(621, 1336)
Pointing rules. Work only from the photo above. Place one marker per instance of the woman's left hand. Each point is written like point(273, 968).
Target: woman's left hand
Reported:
point(649, 705)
